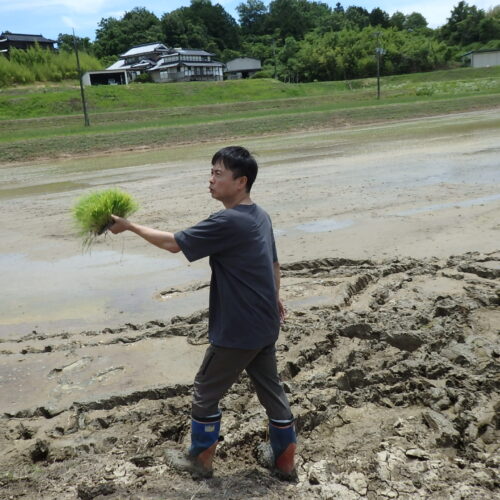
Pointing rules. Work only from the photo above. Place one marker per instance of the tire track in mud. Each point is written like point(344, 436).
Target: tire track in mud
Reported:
point(394, 385)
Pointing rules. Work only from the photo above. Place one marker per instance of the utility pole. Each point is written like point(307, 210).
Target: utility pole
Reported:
point(80, 77)
point(378, 72)
point(379, 51)
point(274, 57)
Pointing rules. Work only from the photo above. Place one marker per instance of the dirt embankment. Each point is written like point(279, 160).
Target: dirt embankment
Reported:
point(391, 368)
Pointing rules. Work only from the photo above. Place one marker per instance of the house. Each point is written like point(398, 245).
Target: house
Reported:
point(162, 63)
point(187, 65)
point(482, 58)
point(242, 67)
point(20, 41)
point(131, 64)
point(140, 58)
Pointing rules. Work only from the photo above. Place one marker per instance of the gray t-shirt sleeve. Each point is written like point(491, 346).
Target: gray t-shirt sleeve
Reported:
point(208, 237)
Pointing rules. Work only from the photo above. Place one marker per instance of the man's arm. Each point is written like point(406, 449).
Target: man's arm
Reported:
point(161, 239)
point(277, 281)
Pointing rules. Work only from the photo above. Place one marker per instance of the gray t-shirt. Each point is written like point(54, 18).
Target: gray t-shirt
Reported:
point(243, 310)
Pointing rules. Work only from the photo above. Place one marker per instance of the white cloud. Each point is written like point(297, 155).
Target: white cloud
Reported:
point(68, 22)
point(77, 6)
point(436, 13)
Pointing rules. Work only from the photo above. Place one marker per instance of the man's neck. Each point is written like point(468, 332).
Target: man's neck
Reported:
point(239, 200)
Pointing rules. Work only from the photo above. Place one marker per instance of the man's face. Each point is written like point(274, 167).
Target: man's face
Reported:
point(222, 185)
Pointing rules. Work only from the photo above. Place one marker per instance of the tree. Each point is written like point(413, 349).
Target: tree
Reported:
point(201, 25)
point(66, 42)
point(489, 29)
point(378, 17)
point(180, 30)
point(115, 36)
point(252, 17)
point(415, 21)
point(462, 27)
point(219, 25)
point(358, 17)
point(287, 18)
point(397, 20)
point(338, 8)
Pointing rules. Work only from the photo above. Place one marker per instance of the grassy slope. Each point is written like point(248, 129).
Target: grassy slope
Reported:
point(47, 122)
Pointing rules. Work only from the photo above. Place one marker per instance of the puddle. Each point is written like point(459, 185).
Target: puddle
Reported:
point(102, 287)
point(441, 206)
point(324, 225)
point(49, 188)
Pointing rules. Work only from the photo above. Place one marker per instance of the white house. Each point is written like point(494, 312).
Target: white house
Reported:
point(483, 58)
point(162, 63)
point(186, 65)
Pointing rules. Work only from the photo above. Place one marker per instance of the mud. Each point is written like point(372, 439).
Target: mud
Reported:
point(417, 188)
point(391, 367)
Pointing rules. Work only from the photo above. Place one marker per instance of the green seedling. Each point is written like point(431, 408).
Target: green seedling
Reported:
point(92, 212)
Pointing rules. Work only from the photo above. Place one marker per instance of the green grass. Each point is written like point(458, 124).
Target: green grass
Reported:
point(39, 101)
point(92, 212)
point(47, 122)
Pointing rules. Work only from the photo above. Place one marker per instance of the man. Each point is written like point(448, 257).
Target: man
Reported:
point(244, 311)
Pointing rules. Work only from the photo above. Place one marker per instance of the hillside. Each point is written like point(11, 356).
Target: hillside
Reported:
point(42, 122)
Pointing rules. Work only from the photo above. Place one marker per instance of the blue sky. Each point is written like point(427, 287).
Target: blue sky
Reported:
point(51, 17)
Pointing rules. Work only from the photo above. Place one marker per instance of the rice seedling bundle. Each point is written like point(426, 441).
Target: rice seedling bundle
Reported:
point(92, 212)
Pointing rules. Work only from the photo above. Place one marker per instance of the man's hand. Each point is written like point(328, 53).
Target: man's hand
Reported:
point(282, 311)
point(119, 224)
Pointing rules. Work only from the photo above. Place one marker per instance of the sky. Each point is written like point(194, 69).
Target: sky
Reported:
point(51, 17)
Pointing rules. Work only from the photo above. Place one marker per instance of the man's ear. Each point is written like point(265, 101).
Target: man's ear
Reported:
point(242, 181)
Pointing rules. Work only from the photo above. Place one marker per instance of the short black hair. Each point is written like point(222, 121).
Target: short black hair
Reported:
point(240, 161)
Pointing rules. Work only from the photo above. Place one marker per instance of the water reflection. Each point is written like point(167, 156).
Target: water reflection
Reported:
point(324, 225)
point(451, 204)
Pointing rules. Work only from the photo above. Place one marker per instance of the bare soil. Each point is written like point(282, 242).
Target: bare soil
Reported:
point(388, 239)
point(393, 378)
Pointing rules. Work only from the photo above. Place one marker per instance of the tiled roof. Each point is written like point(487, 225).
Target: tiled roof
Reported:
point(145, 49)
point(120, 64)
point(191, 52)
point(19, 37)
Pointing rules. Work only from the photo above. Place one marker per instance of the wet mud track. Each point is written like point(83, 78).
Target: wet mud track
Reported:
point(391, 368)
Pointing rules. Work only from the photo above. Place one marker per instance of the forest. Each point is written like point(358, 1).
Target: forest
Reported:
point(296, 40)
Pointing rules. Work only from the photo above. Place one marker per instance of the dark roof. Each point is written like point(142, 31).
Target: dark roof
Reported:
point(190, 52)
point(19, 37)
point(480, 51)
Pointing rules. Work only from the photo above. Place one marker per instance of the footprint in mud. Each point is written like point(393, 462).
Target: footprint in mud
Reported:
point(106, 374)
point(75, 365)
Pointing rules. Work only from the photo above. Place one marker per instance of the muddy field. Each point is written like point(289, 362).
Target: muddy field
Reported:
point(393, 378)
point(390, 352)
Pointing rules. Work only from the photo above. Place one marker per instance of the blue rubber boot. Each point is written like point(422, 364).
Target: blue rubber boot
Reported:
point(284, 443)
point(204, 439)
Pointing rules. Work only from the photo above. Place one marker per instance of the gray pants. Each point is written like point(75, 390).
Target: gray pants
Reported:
point(221, 367)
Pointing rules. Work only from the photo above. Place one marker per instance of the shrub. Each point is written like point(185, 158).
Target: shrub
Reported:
point(36, 64)
point(265, 73)
point(425, 90)
point(144, 78)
